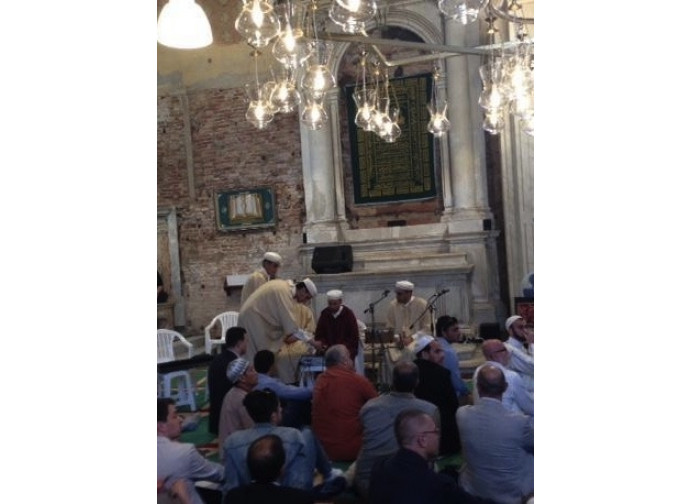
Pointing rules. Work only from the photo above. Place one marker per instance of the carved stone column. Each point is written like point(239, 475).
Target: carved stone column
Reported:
point(466, 142)
point(322, 173)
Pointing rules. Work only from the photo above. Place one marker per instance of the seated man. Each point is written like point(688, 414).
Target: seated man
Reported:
point(407, 477)
point(233, 415)
point(339, 394)
point(497, 444)
point(303, 453)
point(266, 463)
point(516, 397)
point(218, 384)
point(436, 387)
point(378, 416)
point(181, 461)
point(296, 400)
point(520, 344)
point(448, 332)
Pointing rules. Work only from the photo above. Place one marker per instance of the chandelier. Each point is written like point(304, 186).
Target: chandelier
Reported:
point(304, 77)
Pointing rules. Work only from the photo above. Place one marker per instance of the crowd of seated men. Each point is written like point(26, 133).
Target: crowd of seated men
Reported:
point(388, 443)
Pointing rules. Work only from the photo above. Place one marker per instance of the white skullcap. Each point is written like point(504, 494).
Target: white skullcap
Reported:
point(404, 285)
point(334, 294)
point(511, 320)
point(310, 287)
point(236, 369)
point(421, 341)
point(273, 257)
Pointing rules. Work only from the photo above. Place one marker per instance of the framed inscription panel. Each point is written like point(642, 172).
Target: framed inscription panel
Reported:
point(243, 209)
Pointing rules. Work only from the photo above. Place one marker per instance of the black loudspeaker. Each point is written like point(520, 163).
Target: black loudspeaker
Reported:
point(336, 259)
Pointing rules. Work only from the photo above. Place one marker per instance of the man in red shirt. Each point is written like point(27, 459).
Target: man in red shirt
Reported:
point(339, 394)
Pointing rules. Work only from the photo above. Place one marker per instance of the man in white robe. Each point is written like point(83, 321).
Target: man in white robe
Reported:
point(269, 315)
point(268, 271)
point(403, 311)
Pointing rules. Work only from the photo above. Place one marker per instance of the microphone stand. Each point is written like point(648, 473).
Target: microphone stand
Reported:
point(376, 336)
point(431, 308)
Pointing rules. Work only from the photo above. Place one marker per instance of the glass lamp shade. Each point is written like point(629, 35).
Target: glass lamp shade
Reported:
point(182, 24)
point(257, 23)
point(365, 99)
point(259, 113)
point(463, 11)
point(317, 80)
point(438, 124)
point(352, 19)
point(390, 130)
point(314, 116)
point(285, 97)
point(491, 97)
point(493, 121)
point(290, 48)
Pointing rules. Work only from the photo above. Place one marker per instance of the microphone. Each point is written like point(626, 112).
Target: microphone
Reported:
point(444, 291)
point(386, 292)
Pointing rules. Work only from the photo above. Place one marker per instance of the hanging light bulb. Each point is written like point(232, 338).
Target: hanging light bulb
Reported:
point(260, 111)
point(493, 121)
point(391, 130)
point(318, 78)
point(352, 15)
point(182, 24)
point(463, 11)
point(314, 116)
point(438, 124)
point(365, 98)
point(285, 97)
point(257, 22)
point(291, 48)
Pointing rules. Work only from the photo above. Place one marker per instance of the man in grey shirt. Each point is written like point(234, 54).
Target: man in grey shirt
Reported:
point(181, 461)
point(378, 418)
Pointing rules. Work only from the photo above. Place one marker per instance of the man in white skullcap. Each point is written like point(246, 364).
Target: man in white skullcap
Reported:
point(405, 310)
point(268, 271)
point(270, 315)
point(288, 357)
point(520, 344)
point(337, 325)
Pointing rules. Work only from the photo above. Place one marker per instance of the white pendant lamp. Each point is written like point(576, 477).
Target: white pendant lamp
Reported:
point(182, 24)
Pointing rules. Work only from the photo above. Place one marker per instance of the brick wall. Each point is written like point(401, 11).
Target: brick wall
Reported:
point(228, 153)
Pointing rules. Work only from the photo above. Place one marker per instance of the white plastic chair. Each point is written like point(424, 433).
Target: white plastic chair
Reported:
point(227, 320)
point(185, 391)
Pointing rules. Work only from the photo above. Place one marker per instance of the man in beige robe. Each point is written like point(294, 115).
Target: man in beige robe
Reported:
point(269, 315)
point(287, 358)
point(268, 271)
point(403, 311)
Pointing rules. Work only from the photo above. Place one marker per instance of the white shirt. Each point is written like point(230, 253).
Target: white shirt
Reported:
point(516, 397)
point(522, 361)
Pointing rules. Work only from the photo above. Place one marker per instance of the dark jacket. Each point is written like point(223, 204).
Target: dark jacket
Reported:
point(406, 478)
point(436, 387)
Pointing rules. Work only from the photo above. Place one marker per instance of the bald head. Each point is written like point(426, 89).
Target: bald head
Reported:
point(337, 354)
point(265, 458)
point(405, 376)
point(491, 382)
point(495, 350)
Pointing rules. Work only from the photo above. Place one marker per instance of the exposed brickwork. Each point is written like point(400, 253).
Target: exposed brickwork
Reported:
point(228, 153)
